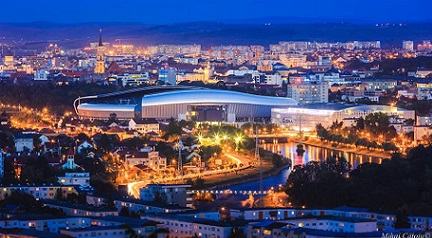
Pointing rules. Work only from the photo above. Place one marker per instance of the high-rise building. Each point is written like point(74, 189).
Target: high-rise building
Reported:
point(168, 75)
point(100, 57)
point(306, 91)
point(324, 60)
point(408, 45)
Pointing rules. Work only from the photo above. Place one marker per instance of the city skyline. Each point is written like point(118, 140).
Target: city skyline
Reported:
point(273, 11)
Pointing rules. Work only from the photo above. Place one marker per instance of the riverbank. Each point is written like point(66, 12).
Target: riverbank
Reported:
point(344, 148)
point(247, 175)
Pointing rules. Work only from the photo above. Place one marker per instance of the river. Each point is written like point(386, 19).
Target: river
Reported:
point(312, 153)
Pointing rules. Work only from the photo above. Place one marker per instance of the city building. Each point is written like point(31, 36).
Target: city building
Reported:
point(304, 90)
point(378, 84)
point(408, 45)
point(183, 227)
point(168, 75)
point(38, 191)
point(144, 125)
point(23, 142)
point(70, 161)
point(150, 159)
point(76, 178)
point(177, 194)
point(41, 75)
point(309, 115)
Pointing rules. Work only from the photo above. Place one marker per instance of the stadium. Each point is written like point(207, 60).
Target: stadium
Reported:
point(180, 102)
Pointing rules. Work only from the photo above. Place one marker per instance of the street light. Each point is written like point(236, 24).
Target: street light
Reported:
point(238, 140)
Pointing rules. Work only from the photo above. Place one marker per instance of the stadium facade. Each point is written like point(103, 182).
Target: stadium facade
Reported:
point(309, 115)
point(180, 102)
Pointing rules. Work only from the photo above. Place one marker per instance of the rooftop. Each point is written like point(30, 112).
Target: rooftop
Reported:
point(78, 206)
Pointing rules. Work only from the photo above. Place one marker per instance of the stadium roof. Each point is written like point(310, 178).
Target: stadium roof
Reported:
point(213, 96)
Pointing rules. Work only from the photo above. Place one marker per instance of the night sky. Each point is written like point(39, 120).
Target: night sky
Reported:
point(174, 11)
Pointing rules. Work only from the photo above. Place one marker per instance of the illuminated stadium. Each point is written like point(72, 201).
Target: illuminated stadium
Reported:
point(180, 102)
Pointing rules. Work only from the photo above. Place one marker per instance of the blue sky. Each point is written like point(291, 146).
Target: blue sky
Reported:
point(172, 11)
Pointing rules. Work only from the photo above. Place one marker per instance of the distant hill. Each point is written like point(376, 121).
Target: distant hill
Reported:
point(38, 34)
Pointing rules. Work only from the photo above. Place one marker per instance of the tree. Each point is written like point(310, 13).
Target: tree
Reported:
point(130, 231)
point(81, 137)
point(360, 124)
point(59, 195)
point(401, 221)
point(124, 211)
point(173, 129)
point(104, 143)
point(160, 197)
point(377, 123)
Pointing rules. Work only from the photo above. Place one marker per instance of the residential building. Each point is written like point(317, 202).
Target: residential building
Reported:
point(23, 142)
point(408, 45)
point(168, 75)
point(177, 194)
point(76, 178)
point(110, 231)
point(378, 84)
point(38, 191)
point(138, 205)
point(424, 90)
point(41, 75)
point(144, 125)
point(183, 227)
point(148, 158)
point(80, 209)
point(308, 92)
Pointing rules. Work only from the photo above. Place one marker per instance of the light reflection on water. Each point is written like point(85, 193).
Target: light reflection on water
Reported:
point(315, 153)
point(312, 153)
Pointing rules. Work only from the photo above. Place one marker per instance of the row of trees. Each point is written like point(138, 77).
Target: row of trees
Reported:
point(353, 139)
point(59, 99)
point(397, 183)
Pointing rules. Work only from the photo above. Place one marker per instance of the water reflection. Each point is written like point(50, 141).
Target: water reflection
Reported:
point(312, 153)
point(317, 153)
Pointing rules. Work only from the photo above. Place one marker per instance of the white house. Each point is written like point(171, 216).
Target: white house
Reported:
point(23, 141)
point(81, 179)
point(41, 75)
point(150, 159)
point(83, 146)
point(144, 125)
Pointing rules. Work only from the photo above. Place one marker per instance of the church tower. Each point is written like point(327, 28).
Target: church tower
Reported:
point(100, 58)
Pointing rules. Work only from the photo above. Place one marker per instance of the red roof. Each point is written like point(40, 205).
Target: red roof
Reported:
point(70, 152)
point(74, 74)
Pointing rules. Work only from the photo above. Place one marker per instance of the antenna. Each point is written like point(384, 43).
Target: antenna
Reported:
point(258, 158)
point(180, 162)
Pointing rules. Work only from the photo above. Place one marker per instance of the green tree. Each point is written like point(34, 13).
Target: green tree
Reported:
point(360, 124)
point(377, 123)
